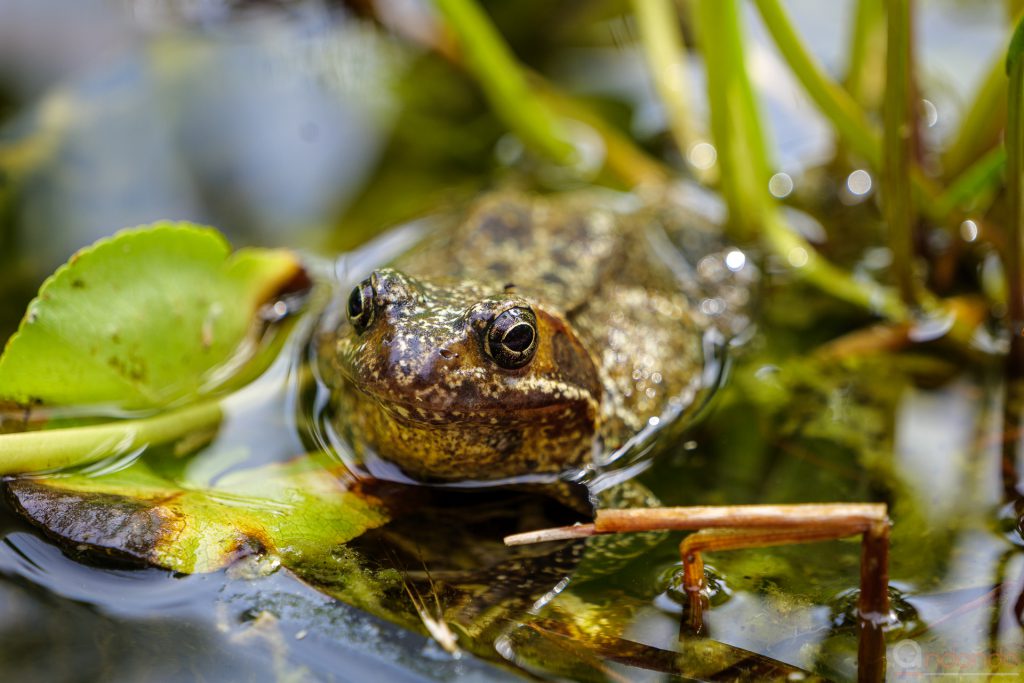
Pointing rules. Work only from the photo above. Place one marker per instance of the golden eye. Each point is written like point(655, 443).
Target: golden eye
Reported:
point(360, 306)
point(511, 338)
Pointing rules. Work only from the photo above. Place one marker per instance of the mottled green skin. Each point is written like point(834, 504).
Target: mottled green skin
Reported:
point(619, 343)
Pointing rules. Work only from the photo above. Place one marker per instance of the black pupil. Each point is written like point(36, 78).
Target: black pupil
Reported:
point(519, 338)
point(355, 303)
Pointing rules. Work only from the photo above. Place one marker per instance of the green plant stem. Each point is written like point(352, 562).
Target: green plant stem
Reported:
point(742, 153)
point(867, 54)
point(836, 104)
point(982, 124)
point(58, 448)
point(900, 127)
point(974, 156)
point(866, 294)
point(627, 164)
point(504, 82)
point(1015, 189)
point(735, 123)
point(56, 113)
point(976, 185)
point(749, 187)
point(663, 46)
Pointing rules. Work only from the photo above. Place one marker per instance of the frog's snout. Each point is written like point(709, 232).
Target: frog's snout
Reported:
point(393, 288)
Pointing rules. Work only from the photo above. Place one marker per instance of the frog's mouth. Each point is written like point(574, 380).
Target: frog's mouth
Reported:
point(492, 412)
point(476, 444)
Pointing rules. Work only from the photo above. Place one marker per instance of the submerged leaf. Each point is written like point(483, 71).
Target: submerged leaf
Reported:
point(282, 512)
point(141, 319)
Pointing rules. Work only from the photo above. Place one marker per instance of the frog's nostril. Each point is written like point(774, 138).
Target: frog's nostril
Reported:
point(446, 354)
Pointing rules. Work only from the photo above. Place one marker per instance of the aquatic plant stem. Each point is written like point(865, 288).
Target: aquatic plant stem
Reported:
point(867, 55)
point(744, 174)
point(52, 449)
point(56, 114)
point(1015, 189)
point(974, 188)
point(504, 82)
point(638, 170)
point(982, 123)
point(742, 154)
point(665, 53)
point(809, 265)
point(627, 163)
point(836, 104)
point(899, 138)
point(976, 143)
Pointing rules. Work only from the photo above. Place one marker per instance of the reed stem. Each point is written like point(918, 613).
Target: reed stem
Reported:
point(981, 125)
point(665, 53)
point(866, 62)
point(835, 103)
point(735, 123)
point(504, 82)
point(743, 156)
point(1015, 191)
point(742, 153)
point(976, 185)
point(845, 114)
point(899, 139)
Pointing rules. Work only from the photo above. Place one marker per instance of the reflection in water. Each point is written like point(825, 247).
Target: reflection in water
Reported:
point(150, 626)
point(968, 607)
point(943, 486)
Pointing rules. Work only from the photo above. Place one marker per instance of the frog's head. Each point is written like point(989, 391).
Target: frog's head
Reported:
point(456, 381)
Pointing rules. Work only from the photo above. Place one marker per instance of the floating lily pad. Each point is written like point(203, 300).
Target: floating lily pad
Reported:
point(280, 512)
point(142, 319)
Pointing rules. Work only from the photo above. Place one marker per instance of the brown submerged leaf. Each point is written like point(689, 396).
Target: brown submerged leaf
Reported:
point(284, 511)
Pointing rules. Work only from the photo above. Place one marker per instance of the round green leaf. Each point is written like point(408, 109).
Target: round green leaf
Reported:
point(141, 319)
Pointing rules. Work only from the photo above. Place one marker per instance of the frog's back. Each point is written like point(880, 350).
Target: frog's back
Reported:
point(556, 251)
point(600, 269)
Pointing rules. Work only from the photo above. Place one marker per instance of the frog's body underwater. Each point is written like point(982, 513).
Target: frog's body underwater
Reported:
point(534, 338)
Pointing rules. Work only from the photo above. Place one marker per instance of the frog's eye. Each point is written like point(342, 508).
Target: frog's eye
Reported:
point(511, 338)
point(360, 306)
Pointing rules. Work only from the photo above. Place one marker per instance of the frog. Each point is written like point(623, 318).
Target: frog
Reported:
point(540, 340)
point(533, 340)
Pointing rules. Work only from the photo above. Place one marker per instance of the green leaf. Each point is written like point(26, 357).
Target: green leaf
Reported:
point(1014, 230)
point(142, 319)
point(283, 512)
point(1016, 48)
